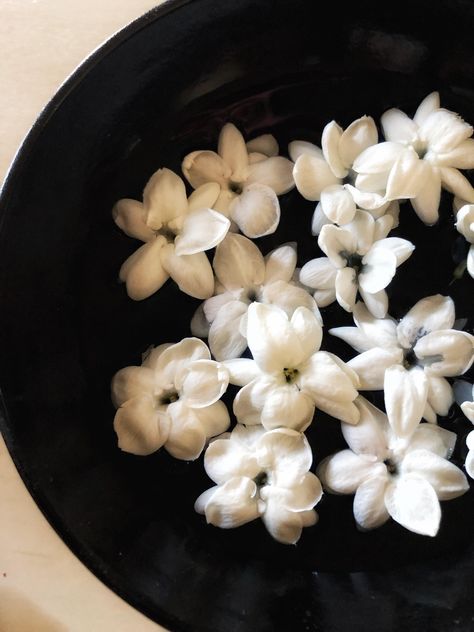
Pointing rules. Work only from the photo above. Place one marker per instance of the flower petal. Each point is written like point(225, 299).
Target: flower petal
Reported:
point(376, 303)
point(353, 337)
point(369, 503)
point(304, 493)
point(398, 127)
point(192, 273)
point(337, 243)
point(468, 409)
point(346, 288)
point(289, 297)
point(242, 370)
point(408, 176)
point(444, 130)
point(238, 263)
point(465, 221)
point(151, 356)
point(319, 273)
point(426, 202)
point(405, 398)
point(307, 328)
point(250, 400)
point(264, 144)
point(440, 395)
point(202, 383)
point(225, 338)
point(343, 472)
point(280, 263)
point(324, 298)
point(140, 428)
point(426, 107)
point(202, 230)
point(299, 147)
point(378, 269)
point(287, 407)
point(378, 158)
point(226, 458)
point(164, 198)
point(214, 419)
point(276, 172)
point(381, 331)
point(143, 271)
point(199, 323)
point(369, 436)
point(412, 502)
point(362, 227)
point(232, 504)
point(446, 353)
point(285, 452)
point(200, 167)
point(337, 204)
point(318, 220)
point(130, 382)
point(233, 151)
point(453, 181)
point(461, 157)
point(367, 200)
point(204, 196)
point(187, 438)
point(312, 175)
point(173, 361)
point(447, 480)
point(371, 365)
point(360, 134)
point(256, 211)
point(434, 438)
point(283, 525)
point(331, 136)
point(469, 465)
point(430, 314)
point(401, 248)
point(130, 216)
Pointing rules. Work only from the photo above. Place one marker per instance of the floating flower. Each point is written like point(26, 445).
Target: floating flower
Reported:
point(326, 174)
point(423, 344)
point(396, 467)
point(171, 400)
point(261, 475)
point(289, 376)
point(249, 176)
point(243, 276)
point(419, 157)
point(176, 232)
point(465, 225)
point(359, 259)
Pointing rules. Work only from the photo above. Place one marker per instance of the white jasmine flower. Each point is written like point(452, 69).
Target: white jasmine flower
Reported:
point(176, 232)
point(359, 259)
point(171, 400)
point(249, 176)
point(464, 395)
point(465, 225)
point(419, 157)
point(396, 467)
point(289, 376)
point(243, 276)
point(263, 475)
point(423, 344)
point(326, 174)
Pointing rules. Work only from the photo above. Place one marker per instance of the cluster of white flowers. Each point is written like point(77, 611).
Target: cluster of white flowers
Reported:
point(397, 462)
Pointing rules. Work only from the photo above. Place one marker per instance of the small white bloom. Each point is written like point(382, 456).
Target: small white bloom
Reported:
point(464, 396)
point(243, 276)
point(465, 225)
point(171, 400)
point(423, 343)
point(398, 470)
point(176, 232)
point(419, 157)
point(288, 376)
point(261, 474)
point(359, 259)
point(326, 174)
point(249, 176)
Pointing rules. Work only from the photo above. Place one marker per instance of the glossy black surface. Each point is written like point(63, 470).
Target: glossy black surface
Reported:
point(161, 88)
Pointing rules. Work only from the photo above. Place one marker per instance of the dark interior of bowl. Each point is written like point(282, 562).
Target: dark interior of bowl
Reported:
point(160, 89)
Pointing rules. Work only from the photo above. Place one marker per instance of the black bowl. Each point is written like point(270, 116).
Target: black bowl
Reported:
point(160, 88)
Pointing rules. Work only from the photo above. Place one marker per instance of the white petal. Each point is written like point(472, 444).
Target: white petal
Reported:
point(376, 303)
point(469, 465)
point(398, 127)
point(465, 222)
point(434, 438)
point(203, 383)
point(199, 323)
point(303, 494)
point(371, 365)
point(275, 172)
point(307, 328)
point(264, 144)
point(272, 340)
point(353, 337)
point(280, 263)
point(337, 204)
point(140, 428)
point(255, 156)
point(299, 147)
point(324, 298)
point(430, 314)
point(289, 297)
point(413, 503)
point(311, 175)
point(447, 480)
point(378, 158)
point(283, 525)
point(200, 167)
point(444, 130)
point(130, 216)
point(331, 136)
point(378, 269)
point(238, 263)
point(225, 338)
point(408, 176)
point(381, 331)
point(256, 211)
point(337, 243)
point(346, 288)
point(429, 414)
point(233, 504)
point(468, 409)
point(369, 435)
point(453, 181)
point(426, 107)
point(232, 149)
point(192, 273)
point(401, 248)
point(319, 273)
point(426, 201)
point(225, 458)
point(130, 382)
point(393, 211)
point(318, 220)
point(405, 398)
point(143, 271)
point(287, 407)
point(446, 353)
point(470, 261)
point(212, 305)
point(461, 157)
point(349, 372)
point(365, 199)
point(362, 227)
point(214, 419)
point(250, 400)
point(463, 391)
point(173, 361)
point(470, 440)
point(440, 395)
point(164, 198)
point(204, 196)
point(151, 356)
point(342, 473)
point(187, 438)
point(369, 503)
point(202, 230)
point(360, 134)
point(224, 202)
point(242, 370)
